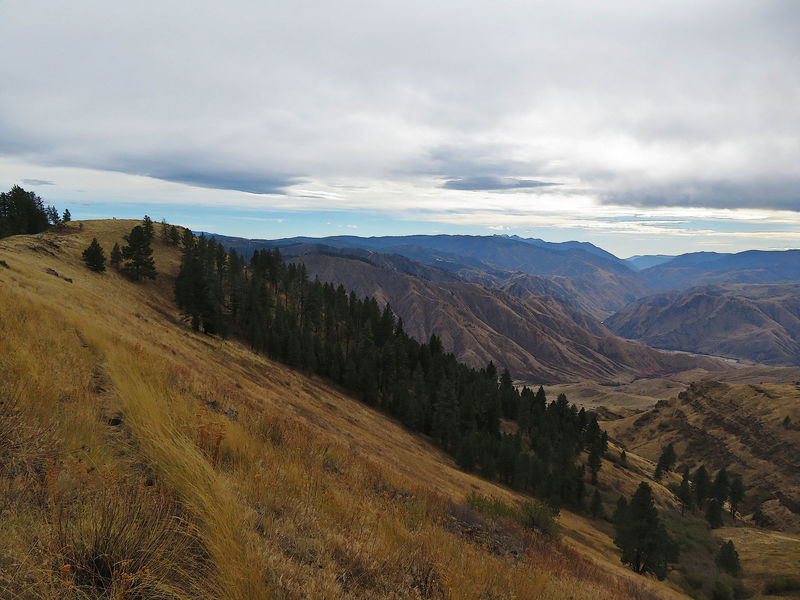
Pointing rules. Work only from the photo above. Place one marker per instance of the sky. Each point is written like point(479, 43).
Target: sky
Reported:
point(643, 127)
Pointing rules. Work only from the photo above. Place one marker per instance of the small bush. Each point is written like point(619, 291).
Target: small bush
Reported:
point(782, 585)
point(720, 591)
point(493, 506)
point(539, 516)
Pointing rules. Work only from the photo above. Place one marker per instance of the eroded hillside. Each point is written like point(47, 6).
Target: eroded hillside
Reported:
point(538, 337)
point(741, 427)
point(755, 322)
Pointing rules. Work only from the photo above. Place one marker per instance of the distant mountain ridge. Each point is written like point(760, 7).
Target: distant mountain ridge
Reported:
point(646, 305)
point(754, 322)
point(701, 268)
point(594, 281)
point(645, 261)
point(538, 338)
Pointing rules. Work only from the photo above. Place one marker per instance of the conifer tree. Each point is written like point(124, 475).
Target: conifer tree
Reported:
point(714, 513)
point(94, 257)
point(21, 212)
point(138, 256)
point(701, 485)
point(640, 534)
point(116, 255)
point(597, 506)
point(665, 461)
point(727, 559)
point(147, 228)
point(759, 518)
point(720, 488)
point(594, 463)
point(685, 494)
point(736, 494)
point(52, 215)
point(67, 216)
point(174, 235)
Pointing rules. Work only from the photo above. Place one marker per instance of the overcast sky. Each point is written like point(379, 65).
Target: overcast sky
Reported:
point(644, 127)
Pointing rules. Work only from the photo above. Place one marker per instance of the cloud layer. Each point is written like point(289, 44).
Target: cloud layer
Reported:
point(667, 103)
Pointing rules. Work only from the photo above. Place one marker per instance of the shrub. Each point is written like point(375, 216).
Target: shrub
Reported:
point(782, 585)
point(493, 506)
point(539, 516)
point(720, 591)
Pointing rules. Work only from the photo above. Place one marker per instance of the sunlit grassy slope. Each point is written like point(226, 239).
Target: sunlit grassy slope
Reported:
point(142, 460)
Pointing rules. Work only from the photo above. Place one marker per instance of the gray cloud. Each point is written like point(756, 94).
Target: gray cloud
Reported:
point(783, 194)
point(637, 101)
point(251, 182)
point(37, 182)
point(490, 183)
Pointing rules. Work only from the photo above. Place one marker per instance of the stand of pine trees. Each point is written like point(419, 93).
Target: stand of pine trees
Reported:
point(324, 330)
point(23, 212)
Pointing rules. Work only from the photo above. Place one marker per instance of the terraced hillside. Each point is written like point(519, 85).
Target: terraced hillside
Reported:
point(741, 427)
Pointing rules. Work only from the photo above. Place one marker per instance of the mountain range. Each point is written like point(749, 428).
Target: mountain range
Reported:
point(727, 305)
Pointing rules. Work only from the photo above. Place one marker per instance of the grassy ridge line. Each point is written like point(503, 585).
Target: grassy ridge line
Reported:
point(293, 490)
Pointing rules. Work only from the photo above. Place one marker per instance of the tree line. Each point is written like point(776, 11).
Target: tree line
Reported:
point(324, 330)
point(24, 212)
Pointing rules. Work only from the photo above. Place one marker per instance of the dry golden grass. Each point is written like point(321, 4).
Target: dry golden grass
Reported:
point(765, 556)
point(271, 483)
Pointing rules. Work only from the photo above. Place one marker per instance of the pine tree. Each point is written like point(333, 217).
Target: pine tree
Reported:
point(147, 228)
point(685, 494)
point(174, 235)
point(94, 257)
point(759, 518)
point(728, 559)
point(720, 488)
point(21, 212)
point(640, 534)
point(138, 256)
point(52, 215)
point(594, 463)
point(116, 256)
point(736, 494)
point(67, 216)
point(701, 485)
point(714, 513)
point(597, 506)
point(666, 461)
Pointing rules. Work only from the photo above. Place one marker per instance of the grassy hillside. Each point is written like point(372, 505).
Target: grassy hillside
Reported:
point(141, 460)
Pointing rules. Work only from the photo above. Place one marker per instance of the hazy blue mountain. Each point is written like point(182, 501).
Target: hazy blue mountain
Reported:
point(700, 268)
point(645, 261)
point(594, 281)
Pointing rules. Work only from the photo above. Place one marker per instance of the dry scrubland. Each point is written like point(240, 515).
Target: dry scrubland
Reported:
point(141, 460)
